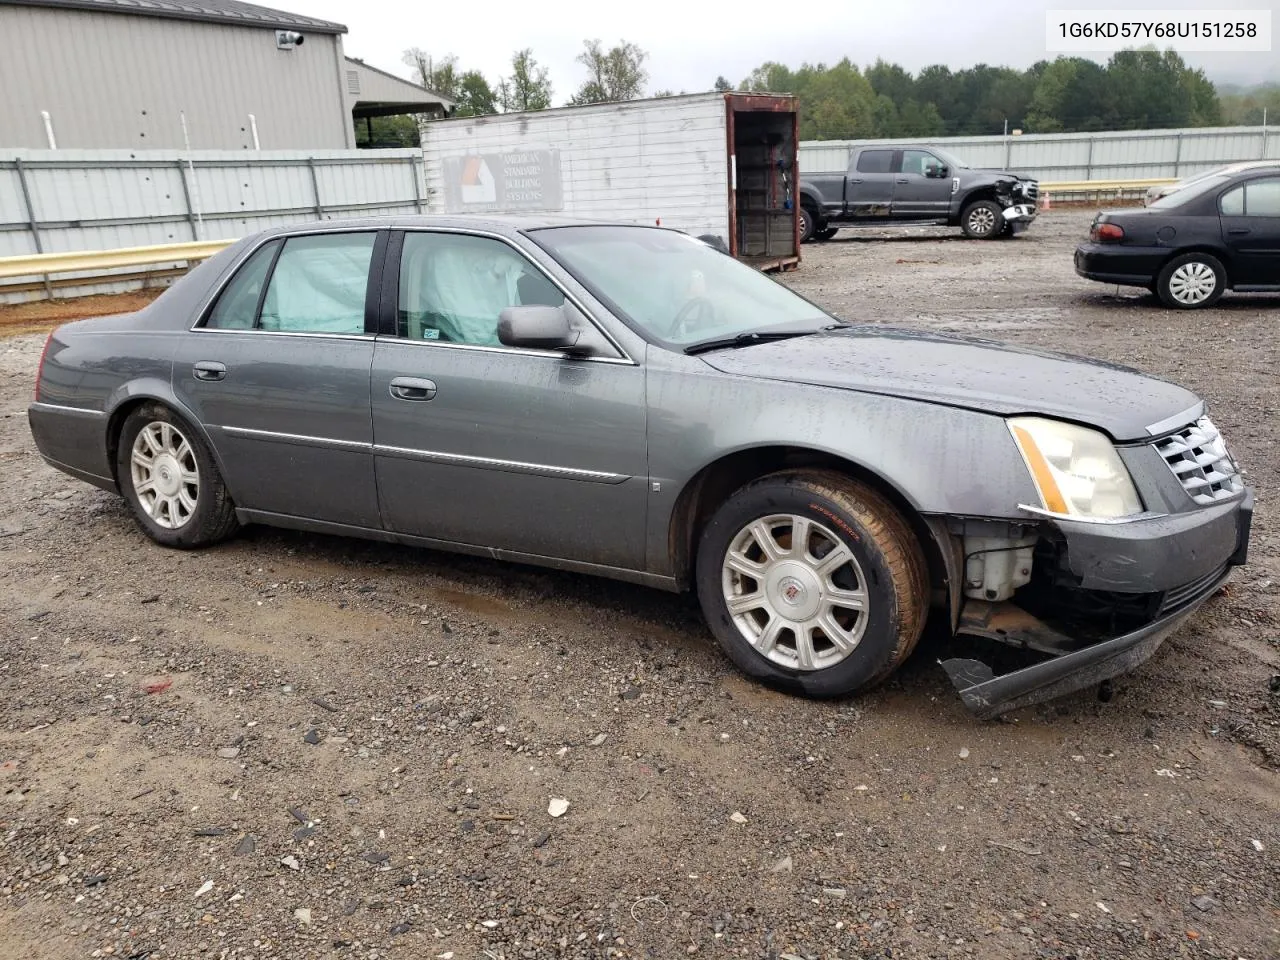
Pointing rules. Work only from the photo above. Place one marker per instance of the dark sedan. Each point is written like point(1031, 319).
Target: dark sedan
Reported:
point(1219, 233)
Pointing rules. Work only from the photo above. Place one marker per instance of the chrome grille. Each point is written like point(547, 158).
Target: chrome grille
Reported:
point(1198, 457)
point(1031, 190)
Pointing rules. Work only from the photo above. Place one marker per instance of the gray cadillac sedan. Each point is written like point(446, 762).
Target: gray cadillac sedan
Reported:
point(630, 402)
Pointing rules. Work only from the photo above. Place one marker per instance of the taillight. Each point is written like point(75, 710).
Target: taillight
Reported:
point(1106, 232)
point(40, 369)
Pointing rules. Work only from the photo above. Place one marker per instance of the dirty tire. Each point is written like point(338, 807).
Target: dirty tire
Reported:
point(982, 220)
point(808, 223)
point(1191, 282)
point(213, 517)
point(888, 558)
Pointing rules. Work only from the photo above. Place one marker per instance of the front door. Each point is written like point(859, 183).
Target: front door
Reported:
point(920, 189)
point(525, 451)
point(869, 185)
point(1251, 231)
point(278, 372)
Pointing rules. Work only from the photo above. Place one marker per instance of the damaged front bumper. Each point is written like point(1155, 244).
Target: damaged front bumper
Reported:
point(1072, 667)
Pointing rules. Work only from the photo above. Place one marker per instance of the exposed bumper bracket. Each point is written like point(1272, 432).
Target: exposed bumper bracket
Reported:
point(988, 696)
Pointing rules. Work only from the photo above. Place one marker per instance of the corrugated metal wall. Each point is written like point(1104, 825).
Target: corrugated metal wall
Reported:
point(103, 200)
point(118, 81)
point(638, 162)
point(1128, 155)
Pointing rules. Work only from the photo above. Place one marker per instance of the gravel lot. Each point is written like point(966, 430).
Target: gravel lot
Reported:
point(299, 746)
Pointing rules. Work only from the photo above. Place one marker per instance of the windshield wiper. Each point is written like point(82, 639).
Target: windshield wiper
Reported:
point(746, 340)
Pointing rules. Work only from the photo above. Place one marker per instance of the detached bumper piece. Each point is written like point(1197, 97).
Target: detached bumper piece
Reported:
point(1074, 665)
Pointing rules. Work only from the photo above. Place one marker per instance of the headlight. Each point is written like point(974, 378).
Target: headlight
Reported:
point(1076, 470)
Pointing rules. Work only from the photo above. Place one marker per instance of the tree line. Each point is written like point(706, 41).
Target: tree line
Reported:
point(1134, 90)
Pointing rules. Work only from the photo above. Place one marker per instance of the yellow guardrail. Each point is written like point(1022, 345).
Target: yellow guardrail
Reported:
point(44, 264)
point(1100, 186)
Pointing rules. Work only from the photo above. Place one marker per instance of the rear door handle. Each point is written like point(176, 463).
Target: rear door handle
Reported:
point(903, 180)
point(1239, 230)
point(857, 180)
point(412, 388)
point(209, 370)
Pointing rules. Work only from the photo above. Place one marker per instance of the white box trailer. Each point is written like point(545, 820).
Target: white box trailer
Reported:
point(711, 164)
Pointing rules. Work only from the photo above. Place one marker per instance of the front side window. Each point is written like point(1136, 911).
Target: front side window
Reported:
point(319, 284)
point(919, 162)
point(674, 288)
point(875, 161)
point(453, 287)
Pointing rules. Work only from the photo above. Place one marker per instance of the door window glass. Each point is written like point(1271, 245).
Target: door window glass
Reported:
point(919, 162)
point(875, 161)
point(1262, 198)
point(454, 286)
point(237, 307)
point(319, 284)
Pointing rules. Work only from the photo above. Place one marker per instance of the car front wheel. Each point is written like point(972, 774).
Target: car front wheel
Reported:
point(982, 220)
point(1191, 281)
point(171, 481)
point(812, 583)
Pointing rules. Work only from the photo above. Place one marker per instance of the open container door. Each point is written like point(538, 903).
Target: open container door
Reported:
point(763, 134)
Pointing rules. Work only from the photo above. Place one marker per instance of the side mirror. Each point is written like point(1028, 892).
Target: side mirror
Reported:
point(536, 328)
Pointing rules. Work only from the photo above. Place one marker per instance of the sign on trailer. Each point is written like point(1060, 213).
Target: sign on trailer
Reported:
point(492, 182)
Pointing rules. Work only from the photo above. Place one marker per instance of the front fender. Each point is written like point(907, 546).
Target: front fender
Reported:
point(939, 459)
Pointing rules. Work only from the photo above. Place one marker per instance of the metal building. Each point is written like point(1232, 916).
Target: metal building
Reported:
point(103, 74)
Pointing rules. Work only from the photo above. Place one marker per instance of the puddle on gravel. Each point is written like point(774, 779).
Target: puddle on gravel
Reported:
point(474, 602)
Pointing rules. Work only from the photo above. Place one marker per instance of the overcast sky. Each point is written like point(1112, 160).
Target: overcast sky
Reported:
point(691, 41)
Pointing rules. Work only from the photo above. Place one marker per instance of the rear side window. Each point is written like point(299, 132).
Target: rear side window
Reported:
point(875, 161)
point(237, 308)
point(319, 284)
point(1262, 198)
point(1232, 203)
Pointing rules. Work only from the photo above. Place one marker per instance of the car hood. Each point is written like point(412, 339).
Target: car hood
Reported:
point(965, 372)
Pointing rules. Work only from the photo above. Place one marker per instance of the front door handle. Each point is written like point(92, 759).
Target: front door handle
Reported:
point(903, 180)
point(209, 370)
point(412, 388)
point(1236, 231)
point(855, 180)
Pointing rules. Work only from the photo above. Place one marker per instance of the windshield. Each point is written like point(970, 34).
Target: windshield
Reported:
point(675, 289)
point(1189, 192)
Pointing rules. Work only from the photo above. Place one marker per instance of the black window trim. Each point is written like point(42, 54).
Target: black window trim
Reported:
point(376, 268)
point(389, 301)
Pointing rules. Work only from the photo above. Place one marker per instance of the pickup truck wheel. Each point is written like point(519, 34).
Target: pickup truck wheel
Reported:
point(982, 220)
point(169, 478)
point(1191, 281)
point(808, 224)
point(812, 583)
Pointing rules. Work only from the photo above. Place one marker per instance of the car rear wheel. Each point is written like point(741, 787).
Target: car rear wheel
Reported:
point(1191, 281)
point(982, 220)
point(171, 481)
point(812, 583)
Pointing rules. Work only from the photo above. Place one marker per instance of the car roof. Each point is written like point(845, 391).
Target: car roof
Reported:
point(505, 224)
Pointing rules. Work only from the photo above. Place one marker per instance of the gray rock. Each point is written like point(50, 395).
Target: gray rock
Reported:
point(312, 737)
point(246, 846)
point(1204, 903)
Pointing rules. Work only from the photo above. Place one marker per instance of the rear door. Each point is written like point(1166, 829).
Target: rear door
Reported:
point(278, 372)
point(1251, 231)
point(920, 188)
point(868, 190)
